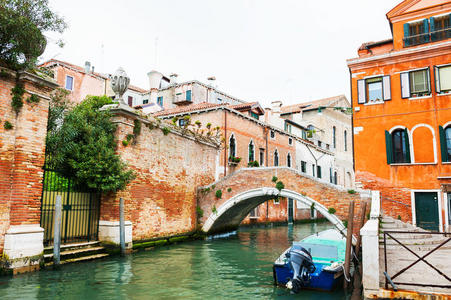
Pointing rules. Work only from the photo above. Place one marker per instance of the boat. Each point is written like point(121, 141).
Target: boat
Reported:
point(316, 262)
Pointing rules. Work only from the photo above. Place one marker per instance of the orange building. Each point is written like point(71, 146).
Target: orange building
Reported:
point(401, 98)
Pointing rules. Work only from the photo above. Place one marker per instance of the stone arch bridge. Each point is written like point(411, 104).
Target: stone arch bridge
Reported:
point(249, 187)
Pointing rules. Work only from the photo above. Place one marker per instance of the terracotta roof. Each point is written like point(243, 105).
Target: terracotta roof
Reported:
point(137, 89)
point(186, 108)
point(248, 105)
point(296, 108)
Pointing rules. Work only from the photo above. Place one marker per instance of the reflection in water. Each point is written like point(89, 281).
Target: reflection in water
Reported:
point(238, 266)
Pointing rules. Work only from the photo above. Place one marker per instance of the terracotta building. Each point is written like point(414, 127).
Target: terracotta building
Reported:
point(401, 95)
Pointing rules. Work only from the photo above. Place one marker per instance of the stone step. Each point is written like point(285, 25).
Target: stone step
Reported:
point(416, 242)
point(80, 259)
point(74, 253)
point(407, 236)
point(73, 246)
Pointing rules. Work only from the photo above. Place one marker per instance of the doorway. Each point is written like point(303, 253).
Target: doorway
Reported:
point(426, 210)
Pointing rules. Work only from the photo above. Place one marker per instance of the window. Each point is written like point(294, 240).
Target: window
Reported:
point(254, 213)
point(254, 115)
point(290, 141)
point(443, 79)
point(415, 83)
point(145, 101)
point(130, 100)
point(397, 146)
point(276, 158)
point(374, 89)
point(276, 200)
point(272, 134)
point(346, 140)
point(327, 146)
point(320, 144)
point(335, 178)
point(232, 146)
point(440, 27)
point(318, 171)
point(69, 83)
point(262, 156)
point(445, 143)
point(334, 137)
point(160, 101)
point(313, 170)
point(331, 176)
point(289, 160)
point(219, 100)
point(188, 95)
point(182, 122)
point(251, 151)
point(287, 127)
point(303, 166)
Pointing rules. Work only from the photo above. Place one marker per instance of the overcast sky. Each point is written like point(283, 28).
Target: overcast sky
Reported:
point(258, 50)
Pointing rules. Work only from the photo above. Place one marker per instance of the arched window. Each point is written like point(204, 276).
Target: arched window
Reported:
point(335, 178)
point(346, 140)
point(334, 137)
point(400, 146)
point(448, 141)
point(232, 146)
point(289, 160)
point(251, 151)
point(276, 158)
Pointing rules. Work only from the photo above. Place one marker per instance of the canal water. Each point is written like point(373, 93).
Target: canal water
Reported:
point(234, 267)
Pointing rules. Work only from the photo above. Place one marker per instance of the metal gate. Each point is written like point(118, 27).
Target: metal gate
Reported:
point(81, 209)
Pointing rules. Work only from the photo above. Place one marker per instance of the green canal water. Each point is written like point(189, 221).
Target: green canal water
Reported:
point(234, 267)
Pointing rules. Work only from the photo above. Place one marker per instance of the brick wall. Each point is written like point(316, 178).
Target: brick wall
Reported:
point(22, 152)
point(161, 201)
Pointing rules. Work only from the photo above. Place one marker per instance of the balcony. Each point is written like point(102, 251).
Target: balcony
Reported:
point(423, 38)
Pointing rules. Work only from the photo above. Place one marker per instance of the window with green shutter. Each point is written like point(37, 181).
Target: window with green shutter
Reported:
point(445, 143)
point(397, 146)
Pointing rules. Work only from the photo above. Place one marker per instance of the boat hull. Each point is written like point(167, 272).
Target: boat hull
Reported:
point(320, 279)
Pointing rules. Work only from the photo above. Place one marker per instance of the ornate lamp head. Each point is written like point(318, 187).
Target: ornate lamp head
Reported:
point(119, 84)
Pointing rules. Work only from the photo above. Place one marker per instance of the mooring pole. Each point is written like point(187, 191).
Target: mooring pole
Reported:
point(122, 226)
point(362, 220)
point(349, 243)
point(57, 231)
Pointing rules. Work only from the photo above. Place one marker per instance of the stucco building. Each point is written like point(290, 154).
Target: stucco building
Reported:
point(401, 92)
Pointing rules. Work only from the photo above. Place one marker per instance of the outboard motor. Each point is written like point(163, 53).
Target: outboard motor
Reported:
point(301, 262)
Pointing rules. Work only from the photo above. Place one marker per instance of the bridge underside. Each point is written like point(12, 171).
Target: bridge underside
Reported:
point(231, 218)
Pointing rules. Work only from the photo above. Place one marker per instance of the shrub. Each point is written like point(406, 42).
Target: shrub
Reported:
point(129, 137)
point(280, 186)
point(7, 125)
point(399, 217)
point(274, 179)
point(229, 189)
point(345, 223)
point(214, 210)
point(33, 99)
point(165, 130)
point(234, 159)
point(332, 210)
point(351, 191)
point(253, 163)
point(125, 143)
point(218, 194)
point(213, 186)
point(200, 212)
point(137, 128)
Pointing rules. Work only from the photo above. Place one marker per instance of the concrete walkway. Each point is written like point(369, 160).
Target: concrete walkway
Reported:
point(399, 258)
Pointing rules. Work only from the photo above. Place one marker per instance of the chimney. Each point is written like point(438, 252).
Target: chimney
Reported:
point(173, 78)
point(212, 81)
point(154, 79)
point(275, 106)
point(87, 66)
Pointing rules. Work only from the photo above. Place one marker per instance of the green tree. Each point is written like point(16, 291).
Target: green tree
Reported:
point(23, 23)
point(82, 146)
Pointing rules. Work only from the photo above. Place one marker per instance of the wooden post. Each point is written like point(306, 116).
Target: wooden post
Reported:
point(122, 226)
point(362, 220)
point(348, 243)
point(57, 231)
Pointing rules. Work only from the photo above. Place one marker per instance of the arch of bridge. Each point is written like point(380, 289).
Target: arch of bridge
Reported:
point(247, 188)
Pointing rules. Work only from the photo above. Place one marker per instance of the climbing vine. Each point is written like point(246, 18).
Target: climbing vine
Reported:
point(17, 92)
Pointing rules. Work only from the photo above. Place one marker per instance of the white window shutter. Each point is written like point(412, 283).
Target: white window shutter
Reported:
point(386, 87)
point(437, 79)
point(405, 85)
point(361, 91)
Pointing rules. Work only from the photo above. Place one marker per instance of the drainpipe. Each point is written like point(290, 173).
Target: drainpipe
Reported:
point(225, 142)
point(352, 122)
point(265, 131)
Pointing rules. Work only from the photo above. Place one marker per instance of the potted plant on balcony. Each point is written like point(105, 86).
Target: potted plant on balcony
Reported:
point(234, 160)
point(253, 163)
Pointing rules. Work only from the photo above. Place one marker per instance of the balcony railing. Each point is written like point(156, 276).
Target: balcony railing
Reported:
point(424, 38)
point(182, 99)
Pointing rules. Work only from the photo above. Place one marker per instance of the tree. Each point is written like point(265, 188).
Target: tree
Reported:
point(23, 23)
point(82, 146)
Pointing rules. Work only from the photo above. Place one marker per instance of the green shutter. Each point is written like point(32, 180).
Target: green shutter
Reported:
point(406, 35)
point(443, 145)
point(388, 147)
point(407, 146)
point(426, 30)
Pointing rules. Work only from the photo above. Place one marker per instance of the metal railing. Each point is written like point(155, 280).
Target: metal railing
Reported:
point(422, 38)
point(391, 279)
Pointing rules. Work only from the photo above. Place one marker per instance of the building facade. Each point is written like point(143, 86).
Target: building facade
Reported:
point(401, 92)
point(326, 123)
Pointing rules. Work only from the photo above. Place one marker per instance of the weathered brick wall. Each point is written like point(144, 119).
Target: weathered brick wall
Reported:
point(248, 179)
point(161, 201)
point(22, 152)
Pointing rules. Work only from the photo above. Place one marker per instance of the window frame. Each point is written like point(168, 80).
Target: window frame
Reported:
point(272, 134)
point(381, 81)
point(303, 166)
point(276, 155)
point(410, 94)
point(147, 101)
point(232, 136)
point(72, 83)
point(289, 160)
point(160, 101)
point(251, 144)
point(290, 141)
point(438, 89)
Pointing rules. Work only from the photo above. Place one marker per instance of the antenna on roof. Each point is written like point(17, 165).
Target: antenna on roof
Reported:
point(212, 81)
